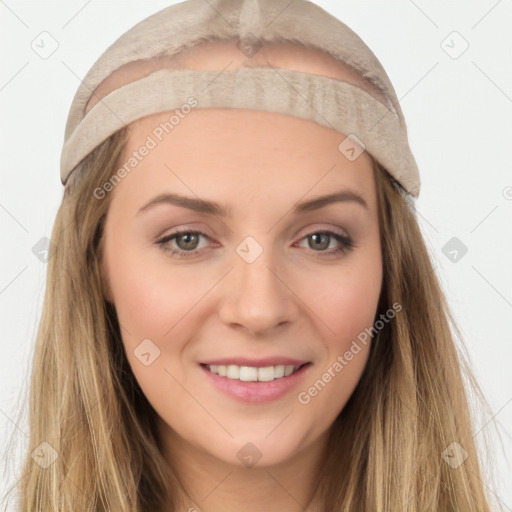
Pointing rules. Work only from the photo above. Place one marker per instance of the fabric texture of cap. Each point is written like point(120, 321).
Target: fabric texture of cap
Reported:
point(369, 117)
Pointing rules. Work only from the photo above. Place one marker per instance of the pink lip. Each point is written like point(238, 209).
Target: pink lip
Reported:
point(256, 363)
point(256, 392)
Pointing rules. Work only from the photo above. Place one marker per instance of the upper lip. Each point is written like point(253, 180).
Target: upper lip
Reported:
point(256, 363)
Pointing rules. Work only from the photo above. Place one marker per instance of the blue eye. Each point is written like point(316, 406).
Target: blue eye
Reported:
point(187, 242)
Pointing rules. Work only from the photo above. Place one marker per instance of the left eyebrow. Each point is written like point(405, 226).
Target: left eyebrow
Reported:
point(213, 208)
point(336, 197)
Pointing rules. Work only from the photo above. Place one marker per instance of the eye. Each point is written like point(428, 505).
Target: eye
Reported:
point(186, 240)
point(321, 240)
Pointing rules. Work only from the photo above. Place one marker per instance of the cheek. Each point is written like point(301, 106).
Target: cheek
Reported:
point(346, 302)
point(138, 298)
point(154, 305)
point(346, 299)
point(150, 302)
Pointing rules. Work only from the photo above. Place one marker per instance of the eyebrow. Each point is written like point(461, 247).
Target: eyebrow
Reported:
point(213, 208)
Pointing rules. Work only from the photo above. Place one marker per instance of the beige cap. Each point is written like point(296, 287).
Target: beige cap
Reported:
point(366, 112)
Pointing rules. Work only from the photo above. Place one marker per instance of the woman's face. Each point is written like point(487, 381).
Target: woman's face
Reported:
point(270, 276)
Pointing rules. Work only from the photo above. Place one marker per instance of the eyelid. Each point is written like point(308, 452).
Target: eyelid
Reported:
point(319, 228)
point(180, 228)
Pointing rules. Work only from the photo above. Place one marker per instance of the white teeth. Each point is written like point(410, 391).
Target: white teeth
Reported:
point(279, 371)
point(252, 374)
point(233, 372)
point(248, 373)
point(266, 374)
point(288, 370)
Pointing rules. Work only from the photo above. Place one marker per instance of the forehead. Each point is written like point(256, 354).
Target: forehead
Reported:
point(242, 157)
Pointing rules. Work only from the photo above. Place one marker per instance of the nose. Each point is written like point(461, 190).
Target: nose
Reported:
point(257, 297)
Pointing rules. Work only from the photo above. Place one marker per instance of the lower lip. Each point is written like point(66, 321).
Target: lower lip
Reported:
point(256, 392)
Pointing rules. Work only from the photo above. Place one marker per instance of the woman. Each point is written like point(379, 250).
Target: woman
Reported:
point(240, 309)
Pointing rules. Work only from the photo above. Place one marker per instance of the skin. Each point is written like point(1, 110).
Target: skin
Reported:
point(294, 300)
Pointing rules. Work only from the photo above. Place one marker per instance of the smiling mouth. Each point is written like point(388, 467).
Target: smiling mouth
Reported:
point(253, 374)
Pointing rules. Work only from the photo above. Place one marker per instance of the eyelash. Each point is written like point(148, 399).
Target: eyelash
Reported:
point(347, 243)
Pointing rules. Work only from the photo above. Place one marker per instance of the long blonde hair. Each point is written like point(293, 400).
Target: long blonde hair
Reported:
point(385, 450)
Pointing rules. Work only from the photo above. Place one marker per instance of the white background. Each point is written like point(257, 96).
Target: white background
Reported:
point(458, 112)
